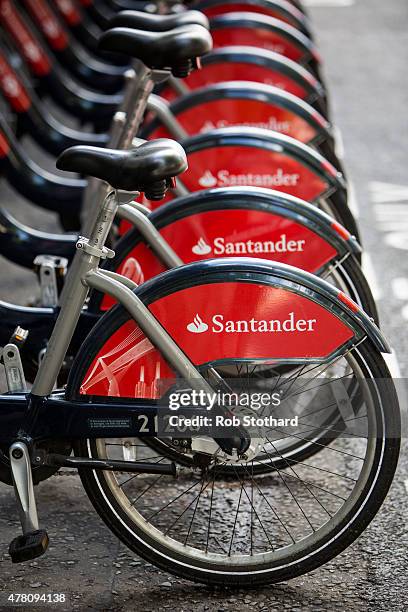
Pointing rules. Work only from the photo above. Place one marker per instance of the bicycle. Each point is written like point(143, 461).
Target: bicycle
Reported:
point(324, 185)
point(164, 309)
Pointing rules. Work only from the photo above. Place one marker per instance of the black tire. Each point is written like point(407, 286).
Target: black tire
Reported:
point(70, 222)
point(352, 524)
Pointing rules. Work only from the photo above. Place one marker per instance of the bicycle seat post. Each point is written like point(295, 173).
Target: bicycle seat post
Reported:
point(119, 118)
point(124, 128)
point(90, 252)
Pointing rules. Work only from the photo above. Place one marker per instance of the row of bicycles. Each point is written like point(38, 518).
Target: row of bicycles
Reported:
point(207, 249)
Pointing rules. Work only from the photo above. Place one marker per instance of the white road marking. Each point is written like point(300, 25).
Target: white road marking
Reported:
point(338, 142)
point(369, 273)
point(392, 220)
point(400, 288)
point(352, 200)
point(390, 359)
point(397, 240)
point(367, 263)
point(391, 214)
point(392, 362)
point(406, 485)
point(404, 312)
point(392, 225)
point(388, 192)
point(392, 217)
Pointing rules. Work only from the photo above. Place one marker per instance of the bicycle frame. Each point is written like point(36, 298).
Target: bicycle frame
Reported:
point(27, 418)
point(34, 416)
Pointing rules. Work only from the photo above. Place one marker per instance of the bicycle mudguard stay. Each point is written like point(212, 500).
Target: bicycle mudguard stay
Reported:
point(296, 169)
point(22, 244)
point(216, 158)
point(255, 100)
point(230, 222)
point(311, 321)
point(277, 110)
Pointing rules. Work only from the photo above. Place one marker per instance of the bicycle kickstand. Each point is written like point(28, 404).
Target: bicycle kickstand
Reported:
point(34, 541)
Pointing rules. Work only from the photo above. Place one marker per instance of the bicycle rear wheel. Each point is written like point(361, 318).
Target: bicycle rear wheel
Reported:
point(241, 529)
point(245, 530)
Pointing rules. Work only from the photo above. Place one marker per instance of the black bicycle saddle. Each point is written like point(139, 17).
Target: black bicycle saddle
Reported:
point(157, 23)
point(176, 49)
point(148, 168)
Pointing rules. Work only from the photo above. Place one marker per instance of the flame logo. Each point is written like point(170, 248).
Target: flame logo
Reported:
point(207, 126)
point(201, 248)
point(197, 326)
point(207, 180)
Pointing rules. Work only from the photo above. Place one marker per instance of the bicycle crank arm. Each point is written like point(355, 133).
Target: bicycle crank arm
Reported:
point(141, 467)
point(34, 541)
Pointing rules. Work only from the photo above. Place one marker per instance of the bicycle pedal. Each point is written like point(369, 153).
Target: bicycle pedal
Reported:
point(19, 336)
point(51, 271)
point(28, 546)
point(11, 360)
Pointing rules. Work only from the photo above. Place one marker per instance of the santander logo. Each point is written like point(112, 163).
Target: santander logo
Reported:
point(208, 180)
point(270, 123)
point(197, 326)
point(201, 248)
point(224, 178)
point(220, 324)
point(221, 246)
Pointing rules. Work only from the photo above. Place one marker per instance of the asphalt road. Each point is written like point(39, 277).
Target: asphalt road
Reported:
point(365, 50)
